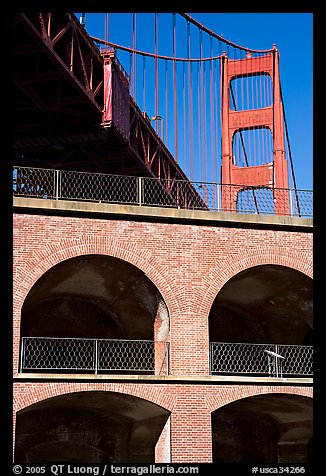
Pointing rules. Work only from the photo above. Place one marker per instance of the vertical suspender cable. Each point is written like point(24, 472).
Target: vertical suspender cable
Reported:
point(134, 46)
point(290, 154)
point(200, 102)
point(199, 123)
point(131, 69)
point(175, 111)
point(216, 108)
point(203, 111)
point(214, 134)
point(184, 118)
point(191, 134)
point(205, 120)
point(144, 83)
point(156, 70)
point(106, 26)
point(212, 115)
point(166, 125)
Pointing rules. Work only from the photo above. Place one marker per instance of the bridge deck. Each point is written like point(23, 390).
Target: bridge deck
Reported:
point(59, 101)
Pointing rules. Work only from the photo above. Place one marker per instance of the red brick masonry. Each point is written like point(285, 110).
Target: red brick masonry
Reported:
point(189, 264)
point(190, 406)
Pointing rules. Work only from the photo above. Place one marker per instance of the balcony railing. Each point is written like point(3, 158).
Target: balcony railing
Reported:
point(91, 355)
point(49, 354)
point(261, 359)
point(98, 187)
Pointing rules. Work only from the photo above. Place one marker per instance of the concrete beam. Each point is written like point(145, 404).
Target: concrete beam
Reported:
point(159, 213)
point(212, 379)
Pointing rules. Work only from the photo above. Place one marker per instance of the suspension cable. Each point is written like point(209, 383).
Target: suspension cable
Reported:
point(290, 154)
point(152, 55)
point(219, 37)
point(198, 25)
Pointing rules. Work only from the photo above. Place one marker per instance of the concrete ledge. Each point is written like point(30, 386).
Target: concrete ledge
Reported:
point(222, 379)
point(69, 206)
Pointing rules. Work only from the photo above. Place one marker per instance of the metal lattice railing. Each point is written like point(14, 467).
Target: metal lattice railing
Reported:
point(94, 355)
point(97, 187)
point(266, 359)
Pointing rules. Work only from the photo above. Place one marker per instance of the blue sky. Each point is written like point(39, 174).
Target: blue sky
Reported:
point(291, 32)
point(293, 35)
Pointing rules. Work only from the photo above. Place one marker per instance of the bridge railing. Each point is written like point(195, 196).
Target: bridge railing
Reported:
point(44, 354)
point(273, 360)
point(106, 188)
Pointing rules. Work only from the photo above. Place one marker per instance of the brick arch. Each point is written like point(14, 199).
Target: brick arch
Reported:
point(227, 269)
point(42, 261)
point(36, 393)
point(237, 393)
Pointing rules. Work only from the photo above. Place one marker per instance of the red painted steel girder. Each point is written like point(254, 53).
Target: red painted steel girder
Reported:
point(60, 105)
point(53, 48)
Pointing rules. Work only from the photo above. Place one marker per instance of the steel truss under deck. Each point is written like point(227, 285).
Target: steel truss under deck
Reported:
point(59, 102)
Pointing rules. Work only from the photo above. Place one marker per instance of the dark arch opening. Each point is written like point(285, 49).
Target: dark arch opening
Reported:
point(89, 427)
point(264, 304)
point(265, 429)
point(263, 309)
point(88, 298)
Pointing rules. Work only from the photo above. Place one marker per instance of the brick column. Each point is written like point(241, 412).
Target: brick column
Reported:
point(163, 445)
point(191, 433)
point(189, 346)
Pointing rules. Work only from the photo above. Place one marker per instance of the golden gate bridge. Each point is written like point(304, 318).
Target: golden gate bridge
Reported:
point(204, 119)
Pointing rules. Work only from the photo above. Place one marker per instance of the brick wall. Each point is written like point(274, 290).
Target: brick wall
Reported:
point(189, 264)
point(190, 406)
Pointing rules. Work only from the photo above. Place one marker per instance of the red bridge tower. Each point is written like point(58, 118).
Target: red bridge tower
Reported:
point(273, 175)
